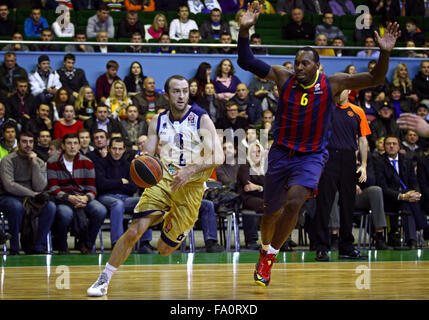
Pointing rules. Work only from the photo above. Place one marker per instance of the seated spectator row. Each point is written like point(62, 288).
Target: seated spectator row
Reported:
point(273, 29)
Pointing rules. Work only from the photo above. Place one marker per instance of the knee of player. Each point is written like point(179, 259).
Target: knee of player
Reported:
point(132, 235)
point(293, 206)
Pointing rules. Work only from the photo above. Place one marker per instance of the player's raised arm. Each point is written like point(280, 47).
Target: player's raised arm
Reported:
point(246, 59)
point(342, 81)
point(152, 137)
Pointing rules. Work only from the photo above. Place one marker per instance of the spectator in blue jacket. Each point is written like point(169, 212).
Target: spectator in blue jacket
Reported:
point(34, 24)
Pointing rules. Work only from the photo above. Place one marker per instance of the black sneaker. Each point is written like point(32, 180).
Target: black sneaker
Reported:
point(353, 254)
point(322, 255)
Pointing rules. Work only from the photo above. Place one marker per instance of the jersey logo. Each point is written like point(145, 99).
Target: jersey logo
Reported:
point(168, 228)
point(350, 113)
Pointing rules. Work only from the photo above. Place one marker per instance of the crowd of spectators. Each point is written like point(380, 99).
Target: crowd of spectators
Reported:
point(83, 135)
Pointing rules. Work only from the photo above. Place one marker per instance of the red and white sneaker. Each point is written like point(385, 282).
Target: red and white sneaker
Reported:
point(262, 274)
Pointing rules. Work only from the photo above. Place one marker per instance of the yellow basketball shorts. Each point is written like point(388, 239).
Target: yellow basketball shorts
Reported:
point(177, 210)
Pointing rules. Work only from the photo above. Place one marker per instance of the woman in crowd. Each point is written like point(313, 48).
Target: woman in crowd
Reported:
point(134, 80)
point(250, 186)
point(401, 79)
point(159, 26)
point(234, 25)
point(194, 92)
point(85, 103)
point(61, 99)
point(226, 82)
point(68, 124)
point(203, 75)
point(118, 100)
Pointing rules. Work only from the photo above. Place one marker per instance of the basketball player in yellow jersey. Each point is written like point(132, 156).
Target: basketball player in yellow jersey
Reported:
point(188, 162)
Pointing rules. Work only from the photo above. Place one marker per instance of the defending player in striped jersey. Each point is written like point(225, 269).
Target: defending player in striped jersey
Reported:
point(300, 132)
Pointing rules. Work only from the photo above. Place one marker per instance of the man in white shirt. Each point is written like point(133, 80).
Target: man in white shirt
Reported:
point(180, 28)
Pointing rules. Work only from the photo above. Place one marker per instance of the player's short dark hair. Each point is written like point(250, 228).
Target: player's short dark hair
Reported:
point(175, 77)
point(316, 57)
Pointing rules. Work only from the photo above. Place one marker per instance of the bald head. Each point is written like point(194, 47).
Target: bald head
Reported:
point(149, 85)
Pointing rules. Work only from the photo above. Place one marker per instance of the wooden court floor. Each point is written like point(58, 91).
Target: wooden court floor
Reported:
point(226, 276)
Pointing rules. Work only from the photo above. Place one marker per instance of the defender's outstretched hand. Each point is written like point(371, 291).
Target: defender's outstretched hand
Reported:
point(409, 121)
point(251, 16)
point(391, 34)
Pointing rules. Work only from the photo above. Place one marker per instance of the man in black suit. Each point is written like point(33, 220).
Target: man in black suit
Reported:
point(396, 176)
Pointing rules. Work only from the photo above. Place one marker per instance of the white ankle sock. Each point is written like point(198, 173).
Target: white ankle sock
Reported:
point(265, 247)
point(271, 250)
point(109, 270)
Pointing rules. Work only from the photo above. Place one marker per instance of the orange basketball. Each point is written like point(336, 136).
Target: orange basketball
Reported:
point(146, 171)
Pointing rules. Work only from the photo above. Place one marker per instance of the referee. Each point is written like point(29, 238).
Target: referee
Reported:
point(349, 128)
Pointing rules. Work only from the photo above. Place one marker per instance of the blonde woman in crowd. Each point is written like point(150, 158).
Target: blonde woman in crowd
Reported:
point(234, 25)
point(401, 79)
point(85, 103)
point(159, 26)
point(118, 100)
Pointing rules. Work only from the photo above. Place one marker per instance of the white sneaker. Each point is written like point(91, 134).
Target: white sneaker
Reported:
point(99, 288)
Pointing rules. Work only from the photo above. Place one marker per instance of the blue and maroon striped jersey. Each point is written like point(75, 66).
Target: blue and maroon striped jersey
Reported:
point(303, 115)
